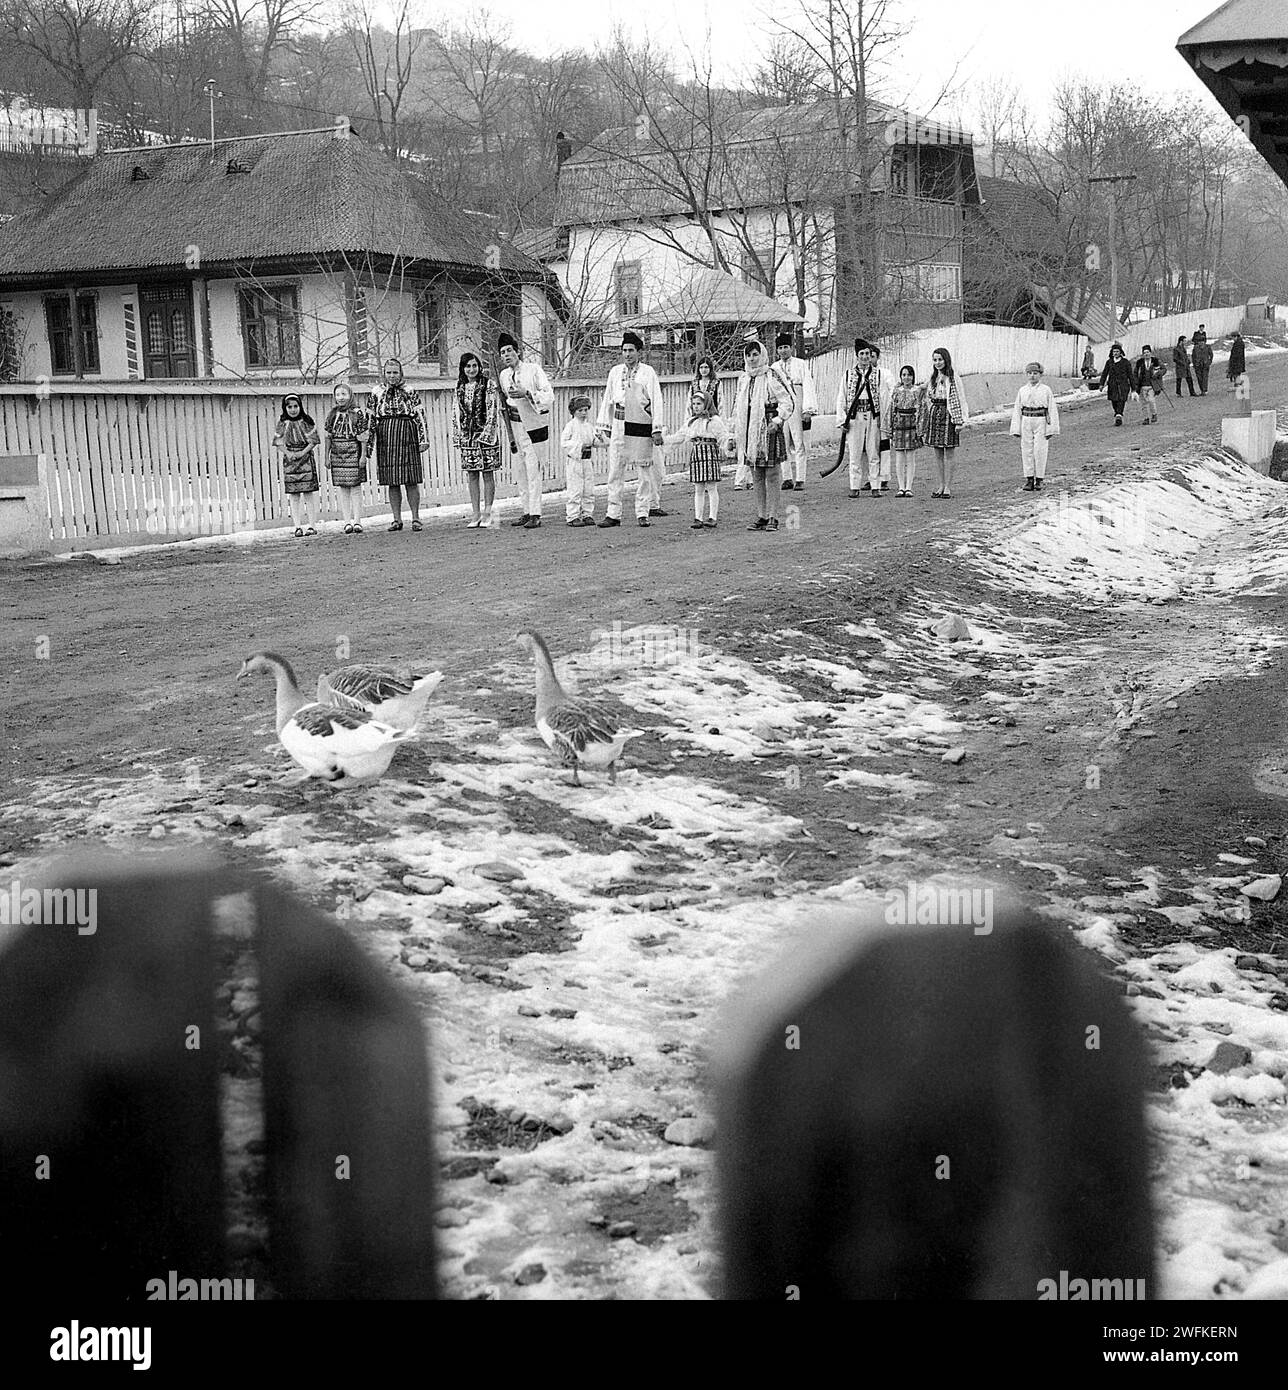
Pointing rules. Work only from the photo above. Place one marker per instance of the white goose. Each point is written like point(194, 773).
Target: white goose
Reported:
point(394, 697)
point(581, 732)
point(342, 745)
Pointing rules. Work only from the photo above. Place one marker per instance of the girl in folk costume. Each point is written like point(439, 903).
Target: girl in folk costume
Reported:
point(296, 436)
point(708, 438)
point(1117, 376)
point(528, 398)
point(476, 434)
point(948, 415)
point(629, 417)
point(758, 415)
point(347, 430)
point(1035, 419)
point(906, 420)
point(400, 438)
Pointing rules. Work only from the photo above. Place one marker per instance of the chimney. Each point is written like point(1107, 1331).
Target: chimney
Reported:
point(563, 149)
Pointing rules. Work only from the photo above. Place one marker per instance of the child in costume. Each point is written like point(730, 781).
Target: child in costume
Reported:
point(1035, 420)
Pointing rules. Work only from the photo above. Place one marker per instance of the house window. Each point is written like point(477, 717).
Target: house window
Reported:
point(627, 278)
point(503, 317)
point(550, 339)
point(58, 326)
point(429, 327)
point(899, 164)
point(937, 172)
point(758, 268)
point(270, 325)
point(9, 356)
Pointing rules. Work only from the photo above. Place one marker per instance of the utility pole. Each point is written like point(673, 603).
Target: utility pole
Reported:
point(212, 94)
point(1113, 240)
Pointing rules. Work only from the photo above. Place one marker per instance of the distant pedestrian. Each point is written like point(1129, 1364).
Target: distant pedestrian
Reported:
point(906, 422)
point(758, 418)
point(1116, 379)
point(1181, 363)
point(707, 436)
point(1236, 369)
point(579, 437)
point(477, 430)
point(347, 433)
point(528, 398)
point(1088, 365)
point(948, 416)
point(296, 437)
point(630, 414)
point(1202, 358)
point(399, 438)
point(1200, 334)
point(1148, 379)
point(1035, 420)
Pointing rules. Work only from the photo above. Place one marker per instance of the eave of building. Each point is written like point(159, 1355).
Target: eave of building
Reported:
point(1247, 72)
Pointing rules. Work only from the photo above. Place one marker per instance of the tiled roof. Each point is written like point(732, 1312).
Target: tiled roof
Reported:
point(748, 159)
point(1239, 21)
point(302, 196)
point(711, 296)
point(1020, 214)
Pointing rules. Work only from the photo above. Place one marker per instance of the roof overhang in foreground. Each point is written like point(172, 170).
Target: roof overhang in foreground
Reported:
point(1240, 53)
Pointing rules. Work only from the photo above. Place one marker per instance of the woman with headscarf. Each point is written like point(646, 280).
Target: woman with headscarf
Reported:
point(296, 437)
point(1117, 376)
point(759, 413)
point(347, 430)
point(476, 433)
point(1237, 368)
point(399, 438)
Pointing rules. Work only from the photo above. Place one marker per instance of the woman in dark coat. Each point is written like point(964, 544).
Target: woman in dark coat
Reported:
point(1237, 365)
point(1181, 361)
point(1117, 374)
point(399, 438)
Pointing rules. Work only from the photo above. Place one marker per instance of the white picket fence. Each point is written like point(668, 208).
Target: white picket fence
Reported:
point(975, 348)
point(1161, 333)
point(157, 461)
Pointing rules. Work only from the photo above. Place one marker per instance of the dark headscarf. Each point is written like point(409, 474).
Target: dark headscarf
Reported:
point(303, 417)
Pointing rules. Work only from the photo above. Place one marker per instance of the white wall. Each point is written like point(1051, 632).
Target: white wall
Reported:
point(33, 339)
point(1161, 334)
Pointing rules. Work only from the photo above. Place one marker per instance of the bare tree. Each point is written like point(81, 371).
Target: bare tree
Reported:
point(82, 41)
point(386, 60)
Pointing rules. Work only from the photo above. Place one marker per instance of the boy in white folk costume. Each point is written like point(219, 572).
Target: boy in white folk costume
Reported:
point(861, 404)
point(797, 374)
point(528, 397)
point(759, 414)
point(1034, 420)
point(629, 415)
point(580, 436)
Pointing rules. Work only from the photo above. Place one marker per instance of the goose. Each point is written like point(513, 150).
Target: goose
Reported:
point(581, 732)
point(343, 746)
point(394, 697)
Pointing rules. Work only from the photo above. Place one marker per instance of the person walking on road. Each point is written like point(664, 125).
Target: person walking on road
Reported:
point(1116, 379)
point(1236, 369)
point(1201, 356)
point(1181, 361)
point(1034, 420)
point(1148, 381)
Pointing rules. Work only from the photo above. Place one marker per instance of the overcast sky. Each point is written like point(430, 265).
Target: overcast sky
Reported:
point(1032, 41)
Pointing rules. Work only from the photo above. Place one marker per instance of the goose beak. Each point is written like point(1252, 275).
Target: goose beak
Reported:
point(243, 673)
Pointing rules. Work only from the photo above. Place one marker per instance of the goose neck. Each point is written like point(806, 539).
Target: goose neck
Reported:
point(290, 698)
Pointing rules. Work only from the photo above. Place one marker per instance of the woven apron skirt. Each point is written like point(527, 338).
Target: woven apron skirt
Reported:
point(300, 474)
point(903, 429)
point(397, 452)
point(704, 461)
point(942, 433)
point(480, 458)
point(348, 467)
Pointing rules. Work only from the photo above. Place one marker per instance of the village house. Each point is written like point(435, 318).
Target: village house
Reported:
point(304, 256)
point(640, 208)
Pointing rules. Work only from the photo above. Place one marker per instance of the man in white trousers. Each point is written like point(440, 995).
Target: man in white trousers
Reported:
point(528, 398)
point(630, 417)
point(805, 406)
point(861, 401)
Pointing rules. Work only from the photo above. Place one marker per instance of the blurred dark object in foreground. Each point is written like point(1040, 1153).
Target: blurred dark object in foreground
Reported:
point(102, 1089)
point(929, 1051)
